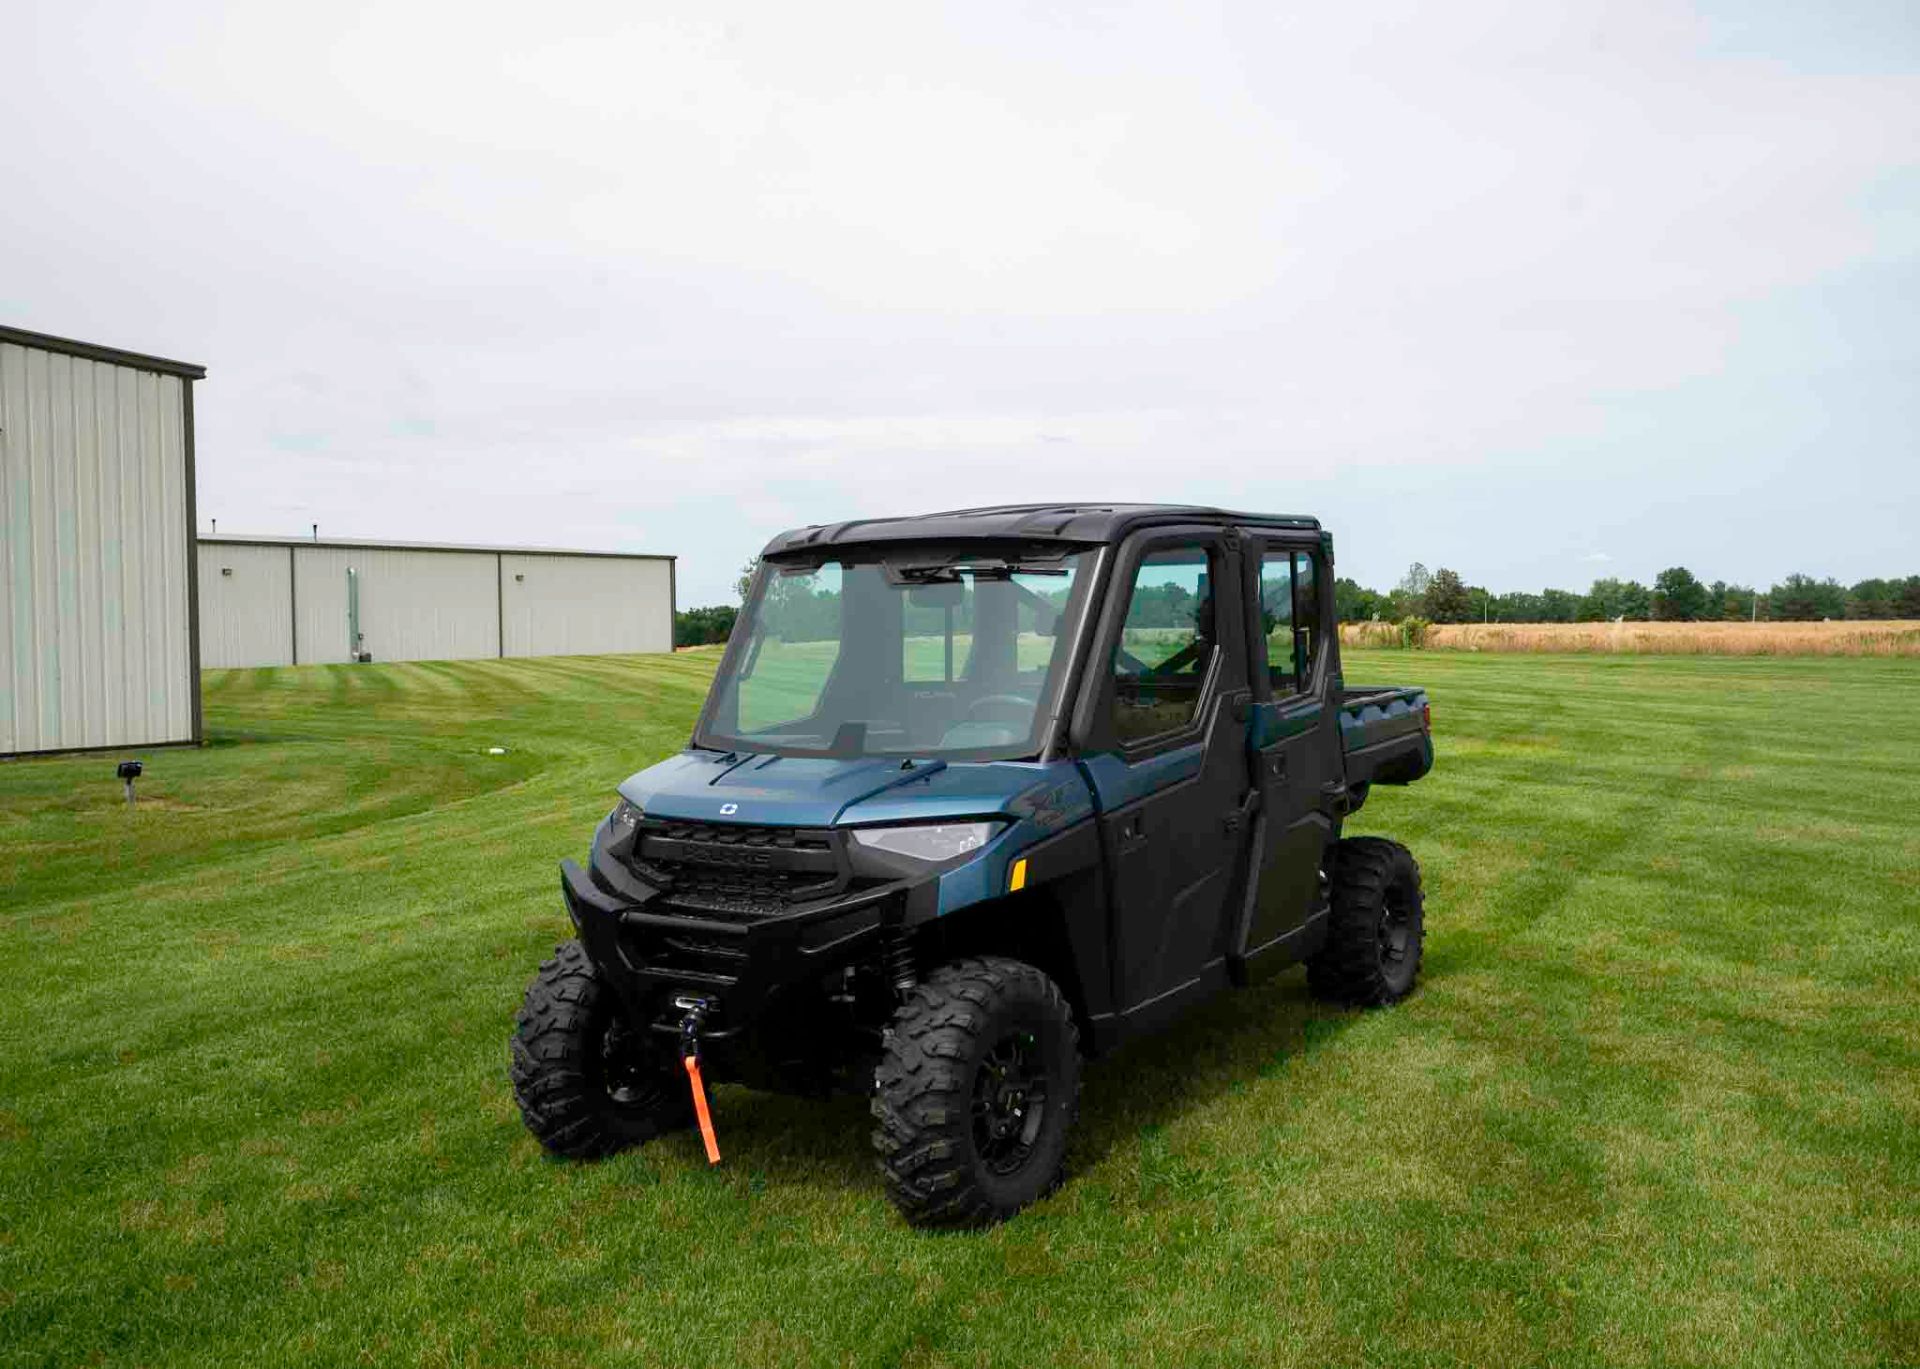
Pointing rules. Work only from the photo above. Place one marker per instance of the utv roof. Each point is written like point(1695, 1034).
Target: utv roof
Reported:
point(1029, 522)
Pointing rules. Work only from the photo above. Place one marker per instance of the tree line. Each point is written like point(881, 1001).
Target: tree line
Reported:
point(1676, 595)
point(1442, 596)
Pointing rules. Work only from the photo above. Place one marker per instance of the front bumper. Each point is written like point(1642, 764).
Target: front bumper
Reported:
point(657, 955)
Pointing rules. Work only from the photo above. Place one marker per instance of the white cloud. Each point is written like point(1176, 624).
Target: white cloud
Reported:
point(1450, 275)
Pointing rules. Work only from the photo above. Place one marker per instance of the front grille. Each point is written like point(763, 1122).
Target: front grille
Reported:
point(752, 894)
point(741, 836)
point(740, 871)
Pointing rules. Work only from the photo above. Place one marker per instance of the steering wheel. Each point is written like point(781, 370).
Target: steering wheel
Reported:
point(1020, 708)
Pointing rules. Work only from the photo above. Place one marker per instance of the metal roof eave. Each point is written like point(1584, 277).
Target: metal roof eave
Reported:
point(362, 544)
point(93, 351)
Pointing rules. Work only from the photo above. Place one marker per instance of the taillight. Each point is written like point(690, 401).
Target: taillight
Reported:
point(1426, 716)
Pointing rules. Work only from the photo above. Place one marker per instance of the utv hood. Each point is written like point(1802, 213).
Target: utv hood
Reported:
point(809, 791)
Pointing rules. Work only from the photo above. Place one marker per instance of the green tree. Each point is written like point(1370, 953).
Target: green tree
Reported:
point(1873, 599)
point(1612, 598)
point(1354, 603)
point(1601, 602)
point(1407, 598)
point(1678, 597)
point(1559, 606)
point(1907, 603)
point(704, 626)
point(1731, 602)
point(744, 581)
point(1803, 599)
point(1445, 599)
point(1517, 606)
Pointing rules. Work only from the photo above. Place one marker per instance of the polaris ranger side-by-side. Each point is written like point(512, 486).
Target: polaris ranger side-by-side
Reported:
point(972, 795)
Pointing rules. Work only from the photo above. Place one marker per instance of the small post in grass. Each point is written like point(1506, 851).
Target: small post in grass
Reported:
point(128, 772)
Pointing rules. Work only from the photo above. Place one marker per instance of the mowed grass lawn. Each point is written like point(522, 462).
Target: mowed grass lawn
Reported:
point(1658, 1098)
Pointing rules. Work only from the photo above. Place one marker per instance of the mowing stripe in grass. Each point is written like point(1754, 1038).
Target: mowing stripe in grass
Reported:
point(1656, 1100)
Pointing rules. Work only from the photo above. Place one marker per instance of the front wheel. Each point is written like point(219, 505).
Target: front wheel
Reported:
point(1377, 927)
point(977, 1089)
point(584, 1085)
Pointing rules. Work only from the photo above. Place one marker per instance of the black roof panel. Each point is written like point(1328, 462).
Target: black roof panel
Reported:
point(1029, 522)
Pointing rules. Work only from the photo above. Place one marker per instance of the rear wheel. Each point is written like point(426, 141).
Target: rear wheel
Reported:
point(1377, 927)
point(584, 1085)
point(977, 1089)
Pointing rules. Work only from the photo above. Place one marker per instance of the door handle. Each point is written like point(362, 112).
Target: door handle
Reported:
point(1276, 766)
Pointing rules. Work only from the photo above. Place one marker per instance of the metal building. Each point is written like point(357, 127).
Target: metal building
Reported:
point(267, 601)
point(97, 643)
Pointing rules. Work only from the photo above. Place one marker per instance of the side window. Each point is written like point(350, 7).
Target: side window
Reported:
point(1290, 618)
point(1166, 645)
point(1306, 618)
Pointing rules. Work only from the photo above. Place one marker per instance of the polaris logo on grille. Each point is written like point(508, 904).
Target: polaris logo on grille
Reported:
point(727, 810)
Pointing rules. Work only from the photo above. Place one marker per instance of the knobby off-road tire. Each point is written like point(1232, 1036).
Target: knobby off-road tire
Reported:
point(977, 1089)
point(584, 1088)
point(1377, 926)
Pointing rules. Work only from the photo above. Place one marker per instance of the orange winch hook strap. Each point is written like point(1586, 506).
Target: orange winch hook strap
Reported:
point(700, 1109)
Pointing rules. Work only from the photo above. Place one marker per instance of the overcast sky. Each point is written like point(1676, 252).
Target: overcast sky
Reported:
point(1535, 291)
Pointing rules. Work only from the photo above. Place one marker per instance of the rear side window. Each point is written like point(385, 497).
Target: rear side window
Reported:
point(1290, 618)
point(1166, 645)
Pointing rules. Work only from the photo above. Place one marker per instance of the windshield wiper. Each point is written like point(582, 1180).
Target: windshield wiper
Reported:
point(926, 575)
point(949, 574)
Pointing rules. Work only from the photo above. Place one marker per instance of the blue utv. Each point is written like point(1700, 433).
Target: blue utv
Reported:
point(975, 795)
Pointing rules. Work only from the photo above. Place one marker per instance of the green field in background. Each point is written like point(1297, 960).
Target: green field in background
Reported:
point(1658, 1098)
point(787, 677)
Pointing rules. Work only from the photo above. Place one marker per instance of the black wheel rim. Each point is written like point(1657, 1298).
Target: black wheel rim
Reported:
point(629, 1081)
point(1396, 936)
point(1009, 1102)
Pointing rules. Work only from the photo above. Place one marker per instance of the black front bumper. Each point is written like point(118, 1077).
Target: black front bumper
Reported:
point(659, 955)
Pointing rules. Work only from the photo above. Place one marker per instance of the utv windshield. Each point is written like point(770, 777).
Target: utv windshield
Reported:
point(949, 652)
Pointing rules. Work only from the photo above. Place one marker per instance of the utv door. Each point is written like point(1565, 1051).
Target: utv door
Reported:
point(1162, 729)
point(1296, 752)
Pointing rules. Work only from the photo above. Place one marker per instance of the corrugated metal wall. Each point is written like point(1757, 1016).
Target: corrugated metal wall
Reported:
point(285, 603)
point(414, 605)
point(96, 643)
point(583, 605)
point(246, 606)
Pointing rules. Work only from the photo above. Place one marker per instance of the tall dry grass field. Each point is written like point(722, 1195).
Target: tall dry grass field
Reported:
point(1865, 638)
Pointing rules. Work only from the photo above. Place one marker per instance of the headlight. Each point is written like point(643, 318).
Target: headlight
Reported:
point(931, 842)
point(625, 817)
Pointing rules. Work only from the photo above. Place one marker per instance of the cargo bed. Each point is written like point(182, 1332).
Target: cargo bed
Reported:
point(1384, 732)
